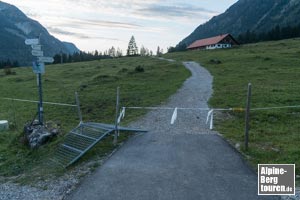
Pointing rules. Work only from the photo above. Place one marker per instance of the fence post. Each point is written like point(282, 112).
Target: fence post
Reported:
point(14, 114)
point(41, 109)
point(78, 107)
point(117, 114)
point(247, 116)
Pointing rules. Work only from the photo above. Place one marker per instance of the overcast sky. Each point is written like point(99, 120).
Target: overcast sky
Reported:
point(100, 24)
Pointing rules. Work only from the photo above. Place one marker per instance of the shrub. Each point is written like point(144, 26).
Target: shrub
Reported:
point(215, 61)
point(8, 71)
point(139, 69)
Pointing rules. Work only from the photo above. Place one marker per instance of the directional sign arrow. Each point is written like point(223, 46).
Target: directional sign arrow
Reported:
point(31, 41)
point(38, 68)
point(46, 59)
point(37, 53)
point(36, 47)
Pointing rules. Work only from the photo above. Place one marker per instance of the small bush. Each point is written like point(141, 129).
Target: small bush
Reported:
point(139, 69)
point(215, 61)
point(83, 86)
point(8, 71)
point(123, 70)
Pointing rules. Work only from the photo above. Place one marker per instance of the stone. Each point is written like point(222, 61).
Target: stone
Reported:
point(37, 134)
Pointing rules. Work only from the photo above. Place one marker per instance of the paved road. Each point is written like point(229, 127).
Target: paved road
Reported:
point(185, 161)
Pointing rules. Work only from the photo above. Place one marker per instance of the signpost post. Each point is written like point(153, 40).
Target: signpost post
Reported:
point(38, 67)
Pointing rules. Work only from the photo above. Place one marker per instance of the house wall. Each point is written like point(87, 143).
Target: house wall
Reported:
point(219, 46)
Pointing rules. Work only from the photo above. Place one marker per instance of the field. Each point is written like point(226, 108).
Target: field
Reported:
point(273, 68)
point(143, 81)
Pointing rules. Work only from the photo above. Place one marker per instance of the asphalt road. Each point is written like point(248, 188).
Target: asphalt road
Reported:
point(185, 161)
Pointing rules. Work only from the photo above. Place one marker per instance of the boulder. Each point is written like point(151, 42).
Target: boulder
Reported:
point(37, 135)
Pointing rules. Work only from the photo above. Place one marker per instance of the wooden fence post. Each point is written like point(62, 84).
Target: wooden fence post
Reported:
point(78, 107)
point(247, 116)
point(117, 115)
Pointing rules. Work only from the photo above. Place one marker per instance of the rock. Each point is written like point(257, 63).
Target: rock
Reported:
point(54, 131)
point(276, 150)
point(37, 134)
point(237, 145)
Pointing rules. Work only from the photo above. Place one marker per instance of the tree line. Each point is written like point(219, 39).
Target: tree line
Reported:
point(8, 64)
point(132, 50)
point(277, 33)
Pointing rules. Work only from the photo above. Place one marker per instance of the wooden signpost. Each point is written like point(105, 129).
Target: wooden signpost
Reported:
point(38, 67)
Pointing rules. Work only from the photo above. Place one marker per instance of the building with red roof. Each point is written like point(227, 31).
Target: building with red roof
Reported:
point(217, 42)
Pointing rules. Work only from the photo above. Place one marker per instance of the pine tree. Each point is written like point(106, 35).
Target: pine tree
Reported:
point(143, 51)
point(132, 47)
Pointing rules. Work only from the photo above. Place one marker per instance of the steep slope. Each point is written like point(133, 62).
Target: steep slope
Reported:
point(71, 47)
point(253, 15)
point(15, 27)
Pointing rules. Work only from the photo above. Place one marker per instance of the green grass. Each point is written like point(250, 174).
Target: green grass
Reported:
point(96, 83)
point(273, 68)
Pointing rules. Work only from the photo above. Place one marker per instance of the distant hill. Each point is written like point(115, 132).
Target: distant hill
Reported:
point(71, 47)
point(254, 15)
point(15, 27)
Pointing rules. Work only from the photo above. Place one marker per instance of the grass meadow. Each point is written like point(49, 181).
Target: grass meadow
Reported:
point(143, 81)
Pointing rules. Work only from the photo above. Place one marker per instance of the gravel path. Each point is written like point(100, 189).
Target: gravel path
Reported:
point(183, 161)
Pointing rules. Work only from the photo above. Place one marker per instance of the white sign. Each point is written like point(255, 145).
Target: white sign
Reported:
point(36, 47)
point(31, 41)
point(38, 68)
point(37, 53)
point(46, 59)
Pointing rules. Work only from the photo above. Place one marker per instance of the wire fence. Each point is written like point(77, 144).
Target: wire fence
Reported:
point(280, 120)
point(22, 111)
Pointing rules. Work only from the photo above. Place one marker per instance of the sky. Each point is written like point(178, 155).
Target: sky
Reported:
point(100, 24)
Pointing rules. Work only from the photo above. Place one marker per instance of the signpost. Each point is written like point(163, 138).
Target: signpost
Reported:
point(32, 41)
point(37, 52)
point(36, 47)
point(38, 67)
point(46, 59)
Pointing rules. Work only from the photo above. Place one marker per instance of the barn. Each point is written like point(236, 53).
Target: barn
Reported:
point(217, 42)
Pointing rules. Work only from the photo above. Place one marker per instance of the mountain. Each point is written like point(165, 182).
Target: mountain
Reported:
point(71, 47)
point(254, 15)
point(15, 27)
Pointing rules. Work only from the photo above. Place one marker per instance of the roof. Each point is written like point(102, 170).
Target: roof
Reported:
point(207, 41)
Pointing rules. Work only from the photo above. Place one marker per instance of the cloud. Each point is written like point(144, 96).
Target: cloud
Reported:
point(89, 23)
point(183, 10)
point(111, 24)
point(59, 31)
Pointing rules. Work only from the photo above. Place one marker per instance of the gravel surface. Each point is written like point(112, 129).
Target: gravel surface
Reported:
point(51, 189)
